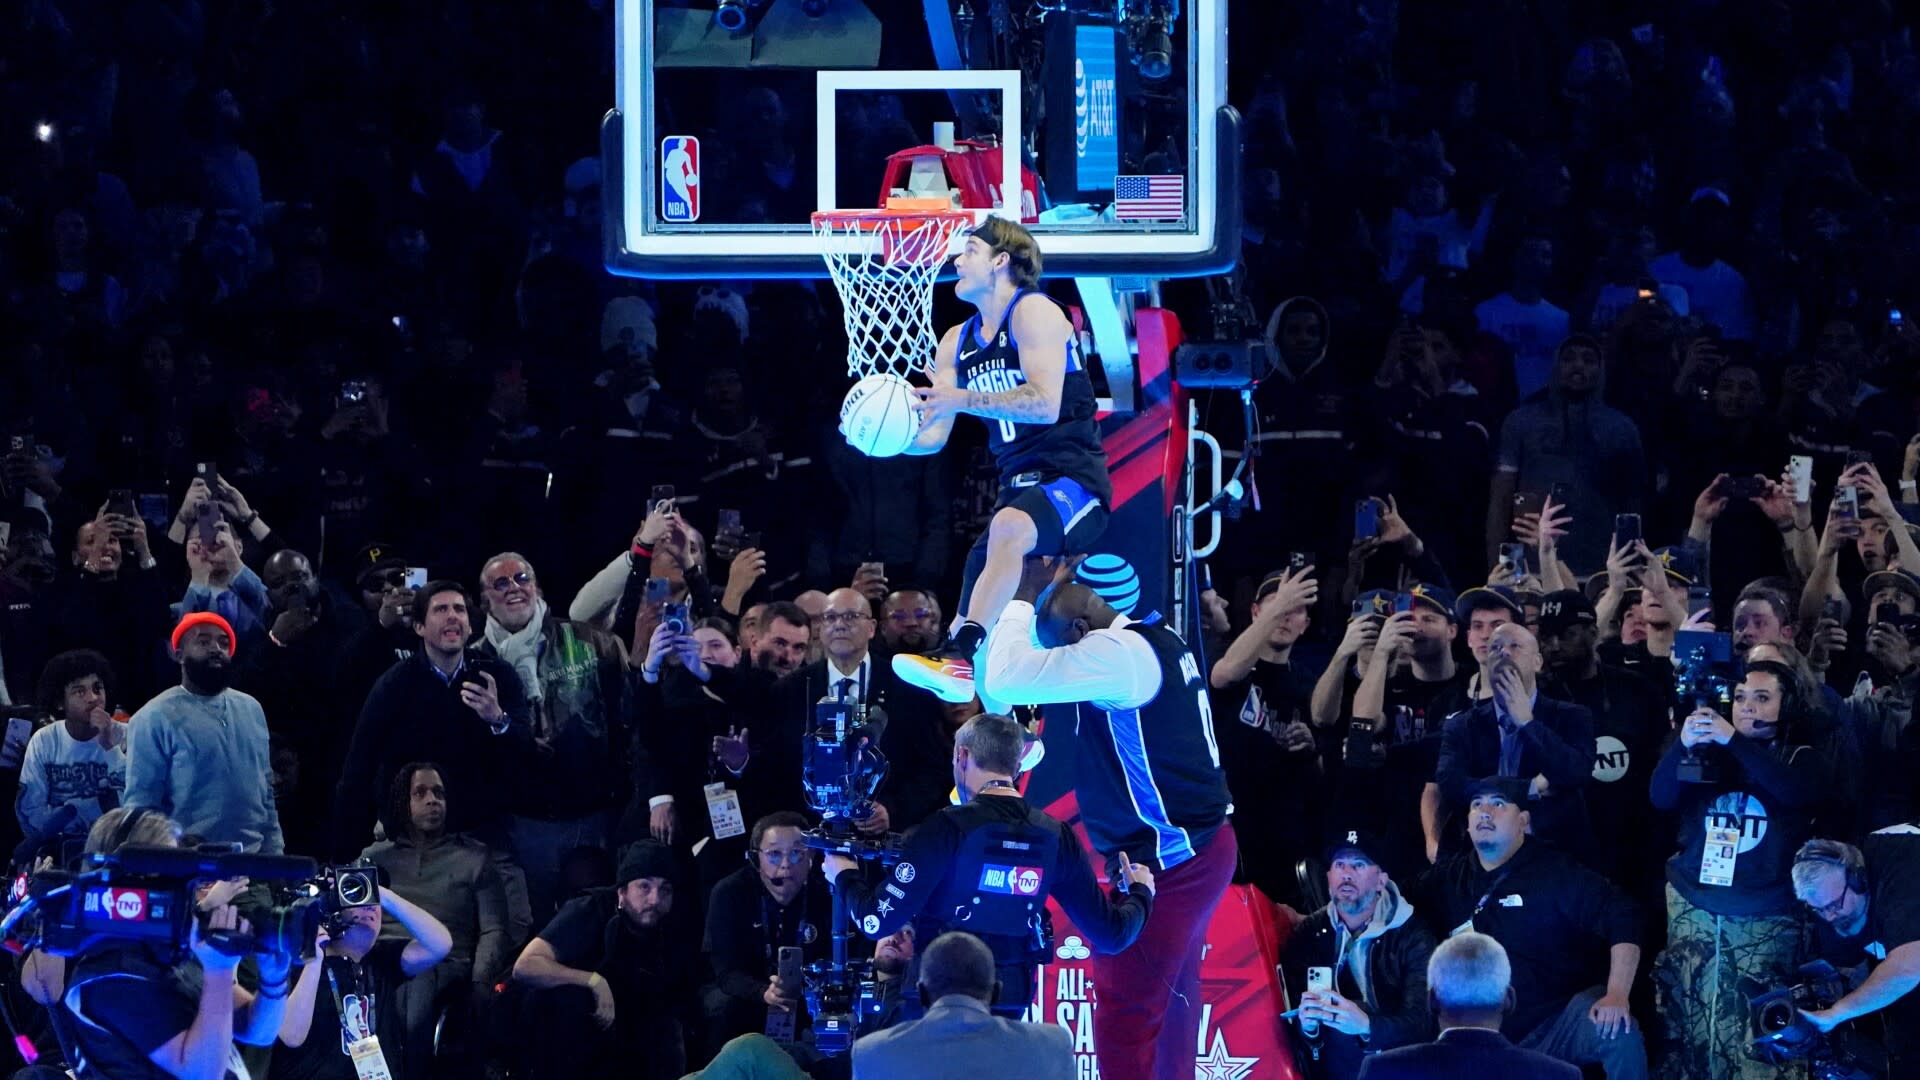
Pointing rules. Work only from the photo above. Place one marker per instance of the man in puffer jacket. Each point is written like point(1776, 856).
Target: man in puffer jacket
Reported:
point(1370, 954)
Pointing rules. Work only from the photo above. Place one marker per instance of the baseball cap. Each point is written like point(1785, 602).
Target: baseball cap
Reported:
point(1439, 599)
point(1891, 579)
point(1373, 602)
point(645, 859)
point(1485, 597)
point(374, 558)
point(1677, 563)
point(1269, 583)
point(1511, 788)
point(1564, 609)
point(1353, 839)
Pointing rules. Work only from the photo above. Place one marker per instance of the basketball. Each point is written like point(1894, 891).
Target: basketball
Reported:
point(877, 416)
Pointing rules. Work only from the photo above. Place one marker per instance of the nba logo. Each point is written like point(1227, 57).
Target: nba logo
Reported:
point(680, 178)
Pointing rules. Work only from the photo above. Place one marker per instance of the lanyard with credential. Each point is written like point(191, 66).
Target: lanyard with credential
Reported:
point(1481, 904)
point(365, 999)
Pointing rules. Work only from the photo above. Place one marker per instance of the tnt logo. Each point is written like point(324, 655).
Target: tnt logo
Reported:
point(680, 179)
point(1011, 880)
point(1027, 881)
point(127, 905)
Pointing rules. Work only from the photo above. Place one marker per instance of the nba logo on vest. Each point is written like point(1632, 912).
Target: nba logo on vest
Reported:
point(680, 178)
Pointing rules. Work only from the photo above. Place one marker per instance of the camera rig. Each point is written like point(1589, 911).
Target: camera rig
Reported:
point(841, 769)
point(1781, 1036)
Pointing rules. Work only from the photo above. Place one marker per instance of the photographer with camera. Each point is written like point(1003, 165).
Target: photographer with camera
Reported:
point(353, 986)
point(776, 902)
point(1868, 897)
point(137, 1014)
point(989, 865)
point(1730, 907)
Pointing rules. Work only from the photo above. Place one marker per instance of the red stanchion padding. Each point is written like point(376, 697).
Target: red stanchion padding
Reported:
point(1241, 1034)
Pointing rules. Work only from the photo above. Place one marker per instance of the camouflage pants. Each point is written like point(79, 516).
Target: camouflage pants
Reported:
point(1698, 984)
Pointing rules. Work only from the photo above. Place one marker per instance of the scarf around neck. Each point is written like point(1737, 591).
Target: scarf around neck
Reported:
point(522, 648)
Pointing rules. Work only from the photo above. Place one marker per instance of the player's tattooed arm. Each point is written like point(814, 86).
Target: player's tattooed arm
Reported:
point(1027, 404)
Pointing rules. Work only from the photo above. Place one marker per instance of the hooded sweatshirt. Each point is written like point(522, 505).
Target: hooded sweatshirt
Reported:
point(1384, 967)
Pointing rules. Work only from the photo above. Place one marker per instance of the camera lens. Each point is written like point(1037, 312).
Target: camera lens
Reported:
point(356, 890)
point(286, 930)
point(1776, 1016)
point(730, 15)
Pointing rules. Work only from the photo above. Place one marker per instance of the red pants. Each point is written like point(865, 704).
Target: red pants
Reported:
point(1146, 1021)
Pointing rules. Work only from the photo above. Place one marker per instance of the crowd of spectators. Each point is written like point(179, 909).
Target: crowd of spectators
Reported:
point(310, 361)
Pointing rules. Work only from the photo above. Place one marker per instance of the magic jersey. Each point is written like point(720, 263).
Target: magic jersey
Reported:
point(1070, 446)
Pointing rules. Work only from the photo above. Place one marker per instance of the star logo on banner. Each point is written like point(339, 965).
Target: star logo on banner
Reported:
point(885, 906)
point(1220, 1065)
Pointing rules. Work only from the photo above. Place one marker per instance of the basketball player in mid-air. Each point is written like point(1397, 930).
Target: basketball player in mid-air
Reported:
point(1016, 365)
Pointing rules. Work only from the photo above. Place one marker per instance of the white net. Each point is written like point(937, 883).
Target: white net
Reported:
point(884, 266)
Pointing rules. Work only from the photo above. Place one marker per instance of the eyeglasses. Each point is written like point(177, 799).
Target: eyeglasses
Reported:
point(842, 618)
point(502, 584)
point(1830, 912)
point(904, 616)
point(788, 858)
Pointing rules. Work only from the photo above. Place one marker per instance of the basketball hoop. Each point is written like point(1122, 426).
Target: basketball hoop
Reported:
point(884, 263)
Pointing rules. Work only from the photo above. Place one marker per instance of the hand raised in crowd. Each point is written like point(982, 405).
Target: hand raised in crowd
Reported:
point(197, 493)
point(663, 822)
point(646, 622)
point(870, 581)
point(780, 995)
point(1396, 636)
point(131, 531)
point(1874, 497)
point(484, 698)
point(1298, 590)
point(1336, 1010)
point(396, 605)
point(1839, 530)
point(215, 566)
point(26, 470)
point(749, 565)
point(687, 650)
point(1622, 565)
point(1780, 502)
point(233, 504)
point(1544, 530)
point(731, 748)
point(1830, 639)
point(1712, 500)
point(661, 520)
point(1888, 646)
point(660, 648)
point(1705, 727)
point(292, 624)
point(1362, 635)
point(1393, 528)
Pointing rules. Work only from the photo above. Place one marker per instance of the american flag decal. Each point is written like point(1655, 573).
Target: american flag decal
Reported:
point(1149, 198)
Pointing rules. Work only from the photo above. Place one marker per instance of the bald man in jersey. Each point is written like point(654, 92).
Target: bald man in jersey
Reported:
point(1148, 778)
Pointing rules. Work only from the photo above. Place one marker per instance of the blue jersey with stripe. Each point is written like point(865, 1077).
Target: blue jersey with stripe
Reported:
point(1149, 779)
point(1068, 447)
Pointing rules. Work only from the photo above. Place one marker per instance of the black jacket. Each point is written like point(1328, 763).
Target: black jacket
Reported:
point(1557, 920)
point(1767, 791)
point(296, 689)
point(1558, 743)
point(413, 714)
point(1396, 947)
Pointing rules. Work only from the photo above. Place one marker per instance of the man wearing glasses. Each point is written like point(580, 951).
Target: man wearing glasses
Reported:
point(1869, 899)
point(910, 622)
point(913, 739)
point(775, 901)
point(577, 779)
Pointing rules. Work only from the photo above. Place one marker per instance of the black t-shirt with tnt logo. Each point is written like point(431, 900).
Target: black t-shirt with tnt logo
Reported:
point(1738, 835)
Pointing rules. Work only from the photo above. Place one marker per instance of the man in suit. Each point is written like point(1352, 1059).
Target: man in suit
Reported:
point(1514, 731)
point(918, 750)
point(959, 1034)
point(1468, 983)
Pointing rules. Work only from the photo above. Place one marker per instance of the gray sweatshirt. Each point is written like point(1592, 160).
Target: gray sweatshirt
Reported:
point(203, 761)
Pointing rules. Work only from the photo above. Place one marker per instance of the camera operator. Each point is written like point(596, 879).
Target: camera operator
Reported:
point(1368, 938)
point(353, 986)
point(136, 1014)
point(989, 864)
point(1730, 909)
point(774, 903)
point(1869, 899)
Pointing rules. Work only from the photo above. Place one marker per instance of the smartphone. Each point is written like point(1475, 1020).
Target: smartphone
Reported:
point(1888, 613)
point(1699, 598)
point(1859, 457)
point(662, 493)
point(1528, 502)
point(676, 618)
point(877, 569)
point(751, 540)
point(1626, 529)
point(352, 392)
point(1894, 318)
point(1846, 502)
point(207, 471)
point(1514, 558)
point(120, 501)
point(1800, 467)
point(1298, 561)
point(1835, 610)
point(658, 589)
point(1743, 487)
point(1359, 749)
point(416, 577)
point(729, 521)
point(1366, 519)
point(153, 510)
point(467, 679)
point(207, 521)
point(1319, 978)
point(1402, 602)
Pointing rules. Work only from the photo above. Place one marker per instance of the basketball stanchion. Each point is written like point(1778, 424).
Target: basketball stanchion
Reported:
point(884, 263)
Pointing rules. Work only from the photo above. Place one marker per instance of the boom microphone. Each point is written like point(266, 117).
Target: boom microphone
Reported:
point(156, 860)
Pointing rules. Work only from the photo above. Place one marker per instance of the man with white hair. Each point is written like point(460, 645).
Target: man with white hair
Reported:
point(1469, 984)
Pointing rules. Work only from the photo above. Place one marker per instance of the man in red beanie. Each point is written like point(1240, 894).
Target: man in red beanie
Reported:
point(198, 752)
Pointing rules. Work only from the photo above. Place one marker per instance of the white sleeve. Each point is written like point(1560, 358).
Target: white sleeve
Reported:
point(30, 806)
point(1107, 667)
point(597, 599)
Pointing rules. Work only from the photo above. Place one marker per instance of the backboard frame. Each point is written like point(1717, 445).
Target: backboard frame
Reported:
point(635, 244)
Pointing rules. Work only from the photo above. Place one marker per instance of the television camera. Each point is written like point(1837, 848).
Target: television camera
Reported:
point(1781, 1036)
point(147, 893)
point(841, 769)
